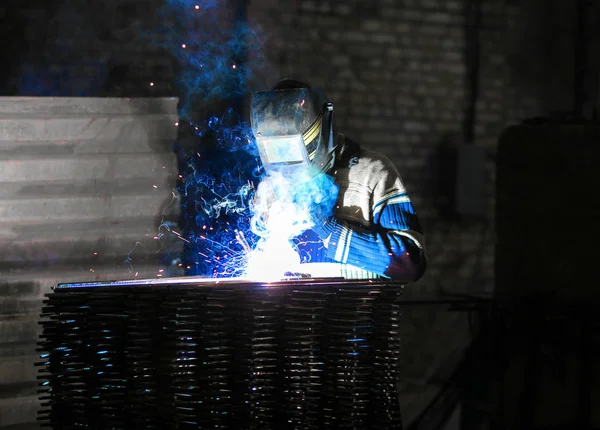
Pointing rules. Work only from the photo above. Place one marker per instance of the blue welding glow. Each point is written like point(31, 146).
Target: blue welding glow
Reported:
point(235, 221)
point(216, 189)
point(217, 54)
point(244, 221)
point(285, 206)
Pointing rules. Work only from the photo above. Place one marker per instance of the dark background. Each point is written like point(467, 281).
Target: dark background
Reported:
point(407, 77)
point(418, 80)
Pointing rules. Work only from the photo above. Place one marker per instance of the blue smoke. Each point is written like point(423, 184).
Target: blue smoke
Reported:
point(217, 53)
point(226, 220)
point(319, 192)
point(229, 131)
point(219, 173)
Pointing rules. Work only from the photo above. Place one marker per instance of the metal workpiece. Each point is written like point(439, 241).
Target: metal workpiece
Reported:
point(229, 354)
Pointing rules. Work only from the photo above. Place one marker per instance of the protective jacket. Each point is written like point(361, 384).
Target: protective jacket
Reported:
point(374, 231)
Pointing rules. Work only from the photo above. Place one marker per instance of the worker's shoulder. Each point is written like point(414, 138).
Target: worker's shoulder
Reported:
point(374, 162)
point(366, 170)
point(362, 164)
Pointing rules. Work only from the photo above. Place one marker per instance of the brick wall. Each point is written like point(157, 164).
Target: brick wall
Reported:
point(396, 71)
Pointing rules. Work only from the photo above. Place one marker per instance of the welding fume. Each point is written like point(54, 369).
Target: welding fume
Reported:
point(326, 206)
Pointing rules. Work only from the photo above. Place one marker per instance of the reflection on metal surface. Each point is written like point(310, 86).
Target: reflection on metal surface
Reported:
point(314, 271)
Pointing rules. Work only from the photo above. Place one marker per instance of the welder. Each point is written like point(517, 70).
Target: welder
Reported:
point(373, 231)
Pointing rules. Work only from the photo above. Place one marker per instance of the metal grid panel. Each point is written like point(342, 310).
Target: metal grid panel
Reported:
point(293, 354)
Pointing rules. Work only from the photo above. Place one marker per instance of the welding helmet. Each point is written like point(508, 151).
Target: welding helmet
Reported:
point(293, 127)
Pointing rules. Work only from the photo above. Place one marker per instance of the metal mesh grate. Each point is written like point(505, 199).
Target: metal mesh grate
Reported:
point(238, 355)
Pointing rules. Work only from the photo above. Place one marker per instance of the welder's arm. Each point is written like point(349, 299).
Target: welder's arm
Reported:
point(392, 247)
point(395, 254)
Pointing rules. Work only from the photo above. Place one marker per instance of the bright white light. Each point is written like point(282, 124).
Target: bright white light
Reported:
point(270, 261)
point(286, 149)
point(277, 219)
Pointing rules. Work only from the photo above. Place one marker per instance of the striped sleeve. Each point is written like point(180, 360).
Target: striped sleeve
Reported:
point(393, 246)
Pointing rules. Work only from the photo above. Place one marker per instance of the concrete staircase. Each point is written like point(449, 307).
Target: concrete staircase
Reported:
point(85, 184)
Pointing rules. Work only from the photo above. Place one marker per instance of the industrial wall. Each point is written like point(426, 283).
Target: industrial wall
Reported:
point(402, 75)
point(85, 185)
point(407, 77)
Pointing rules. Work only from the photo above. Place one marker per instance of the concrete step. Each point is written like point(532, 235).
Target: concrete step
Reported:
point(20, 330)
point(19, 369)
point(50, 148)
point(27, 168)
point(37, 281)
point(115, 128)
point(92, 253)
point(45, 106)
point(157, 185)
point(79, 209)
point(19, 411)
point(85, 185)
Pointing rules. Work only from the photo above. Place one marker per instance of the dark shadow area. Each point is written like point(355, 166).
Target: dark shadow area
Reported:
point(67, 48)
point(545, 278)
